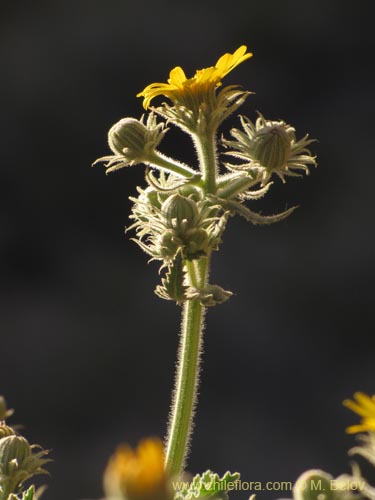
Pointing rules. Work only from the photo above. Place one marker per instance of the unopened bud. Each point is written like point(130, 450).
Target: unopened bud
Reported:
point(19, 462)
point(271, 146)
point(127, 134)
point(313, 485)
point(134, 140)
point(177, 209)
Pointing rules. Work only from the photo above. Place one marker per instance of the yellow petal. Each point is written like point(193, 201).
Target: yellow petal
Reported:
point(358, 407)
point(354, 429)
point(354, 407)
point(366, 402)
point(228, 62)
point(177, 77)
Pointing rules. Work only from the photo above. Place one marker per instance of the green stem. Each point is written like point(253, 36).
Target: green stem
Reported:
point(163, 162)
point(236, 186)
point(185, 392)
point(206, 150)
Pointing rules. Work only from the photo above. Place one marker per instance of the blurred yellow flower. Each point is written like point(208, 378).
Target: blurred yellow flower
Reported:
point(181, 89)
point(137, 474)
point(364, 406)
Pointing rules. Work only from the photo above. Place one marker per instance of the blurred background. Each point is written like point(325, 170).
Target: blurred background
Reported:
point(87, 349)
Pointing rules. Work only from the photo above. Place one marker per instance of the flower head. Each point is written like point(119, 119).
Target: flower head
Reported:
point(364, 406)
point(137, 474)
point(269, 147)
point(180, 88)
point(194, 99)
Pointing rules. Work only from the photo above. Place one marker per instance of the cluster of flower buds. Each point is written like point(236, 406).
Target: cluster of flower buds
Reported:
point(168, 224)
point(178, 227)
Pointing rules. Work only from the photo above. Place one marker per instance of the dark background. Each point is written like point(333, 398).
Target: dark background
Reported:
point(87, 349)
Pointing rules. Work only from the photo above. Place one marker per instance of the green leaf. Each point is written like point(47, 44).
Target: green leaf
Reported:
point(207, 486)
point(173, 284)
point(29, 494)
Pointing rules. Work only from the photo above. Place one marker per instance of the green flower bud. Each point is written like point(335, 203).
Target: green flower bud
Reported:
point(168, 244)
point(179, 212)
point(190, 191)
point(271, 146)
point(18, 462)
point(133, 141)
point(13, 450)
point(128, 135)
point(313, 485)
point(197, 243)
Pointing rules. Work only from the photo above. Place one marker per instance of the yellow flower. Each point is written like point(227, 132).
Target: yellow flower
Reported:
point(182, 90)
point(137, 474)
point(364, 406)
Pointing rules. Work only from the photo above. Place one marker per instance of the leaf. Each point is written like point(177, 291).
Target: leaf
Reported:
point(29, 494)
point(251, 216)
point(172, 285)
point(208, 486)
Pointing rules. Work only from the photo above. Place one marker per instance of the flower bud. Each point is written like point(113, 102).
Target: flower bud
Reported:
point(13, 448)
point(197, 243)
point(18, 462)
point(127, 134)
point(133, 141)
point(190, 191)
point(168, 244)
point(271, 146)
point(313, 485)
point(176, 209)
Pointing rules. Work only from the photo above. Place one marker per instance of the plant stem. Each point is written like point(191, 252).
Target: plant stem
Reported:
point(184, 398)
point(163, 162)
point(206, 149)
point(185, 392)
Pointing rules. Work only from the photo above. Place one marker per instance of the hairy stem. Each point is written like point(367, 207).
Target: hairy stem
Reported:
point(185, 393)
point(167, 164)
point(236, 186)
point(206, 150)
